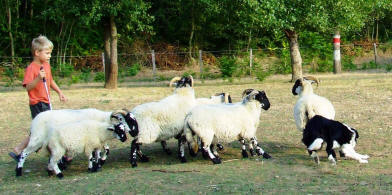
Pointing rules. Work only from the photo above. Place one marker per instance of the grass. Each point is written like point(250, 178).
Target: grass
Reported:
point(361, 100)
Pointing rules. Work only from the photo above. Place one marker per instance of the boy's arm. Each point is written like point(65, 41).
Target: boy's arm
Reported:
point(37, 79)
point(56, 88)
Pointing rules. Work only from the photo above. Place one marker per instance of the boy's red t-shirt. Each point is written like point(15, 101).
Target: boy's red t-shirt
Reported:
point(38, 94)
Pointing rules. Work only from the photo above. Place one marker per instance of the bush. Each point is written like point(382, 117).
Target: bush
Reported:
point(66, 70)
point(347, 63)
point(99, 76)
point(227, 65)
point(133, 70)
point(388, 67)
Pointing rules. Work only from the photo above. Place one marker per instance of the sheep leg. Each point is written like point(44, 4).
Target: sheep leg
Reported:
point(56, 154)
point(33, 146)
point(350, 152)
point(140, 154)
point(181, 149)
point(92, 165)
point(259, 150)
point(164, 147)
point(98, 159)
point(331, 153)
point(213, 149)
point(214, 159)
point(251, 149)
point(243, 148)
point(133, 156)
point(341, 154)
point(104, 155)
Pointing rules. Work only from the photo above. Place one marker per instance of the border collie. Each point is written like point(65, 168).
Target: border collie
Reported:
point(337, 135)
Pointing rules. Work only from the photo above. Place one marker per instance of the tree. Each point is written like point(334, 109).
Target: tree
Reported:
point(295, 16)
point(132, 17)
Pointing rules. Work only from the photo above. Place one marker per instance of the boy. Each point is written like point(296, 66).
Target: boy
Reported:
point(41, 48)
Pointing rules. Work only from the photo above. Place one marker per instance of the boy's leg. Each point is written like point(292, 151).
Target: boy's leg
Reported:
point(18, 149)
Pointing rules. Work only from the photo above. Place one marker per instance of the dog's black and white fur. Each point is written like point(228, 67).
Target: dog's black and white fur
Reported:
point(337, 135)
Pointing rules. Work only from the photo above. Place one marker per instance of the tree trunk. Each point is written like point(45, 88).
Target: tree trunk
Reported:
point(192, 34)
point(106, 50)
point(296, 60)
point(111, 82)
point(10, 31)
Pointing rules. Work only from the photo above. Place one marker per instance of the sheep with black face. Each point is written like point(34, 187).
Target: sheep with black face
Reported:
point(309, 104)
point(164, 119)
point(222, 123)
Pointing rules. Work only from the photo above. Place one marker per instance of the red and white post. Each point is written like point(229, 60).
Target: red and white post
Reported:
point(337, 66)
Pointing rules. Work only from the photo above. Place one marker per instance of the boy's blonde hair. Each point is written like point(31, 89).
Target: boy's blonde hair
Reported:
point(40, 43)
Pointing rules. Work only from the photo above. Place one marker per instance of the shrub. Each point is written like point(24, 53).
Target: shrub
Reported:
point(99, 76)
point(227, 65)
point(133, 70)
point(347, 63)
point(66, 70)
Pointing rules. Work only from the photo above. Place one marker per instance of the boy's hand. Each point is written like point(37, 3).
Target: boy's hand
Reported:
point(41, 74)
point(62, 97)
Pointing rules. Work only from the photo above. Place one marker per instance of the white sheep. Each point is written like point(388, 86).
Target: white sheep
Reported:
point(162, 120)
point(85, 136)
point(40, 127)
point(226, 123)
point(309, 104)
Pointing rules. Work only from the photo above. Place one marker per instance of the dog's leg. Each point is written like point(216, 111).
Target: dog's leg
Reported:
point(350, 152)
point(331, 153)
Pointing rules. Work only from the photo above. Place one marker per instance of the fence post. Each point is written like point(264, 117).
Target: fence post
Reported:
point(153, 64)
point(201, 63)
point(375, 53)
point(250, 60)
point(103, 64)
point(337, 66)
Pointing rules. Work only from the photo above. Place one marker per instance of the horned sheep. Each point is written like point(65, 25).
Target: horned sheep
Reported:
point(226, 123)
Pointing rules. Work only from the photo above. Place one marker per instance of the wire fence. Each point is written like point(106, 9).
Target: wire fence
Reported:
point(158, 62)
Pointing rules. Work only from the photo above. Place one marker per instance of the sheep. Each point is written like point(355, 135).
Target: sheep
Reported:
point(337, 135)
point(309, 104)
point(40, 128)
point(226, 123)
point(162, 120)
point(214, 99)
point(85, 136)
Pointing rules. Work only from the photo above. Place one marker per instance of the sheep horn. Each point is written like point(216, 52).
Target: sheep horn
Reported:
point(246, 92)
point(312, 78)
point(191, 77)
point(226, 98)
point(175, 79)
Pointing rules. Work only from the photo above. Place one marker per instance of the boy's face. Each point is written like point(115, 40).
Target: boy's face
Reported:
point(44, 55)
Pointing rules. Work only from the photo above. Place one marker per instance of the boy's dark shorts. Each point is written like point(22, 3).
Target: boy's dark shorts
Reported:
point(38, 108)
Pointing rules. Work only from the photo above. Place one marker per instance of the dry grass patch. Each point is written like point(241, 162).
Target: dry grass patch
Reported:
point(361, 100)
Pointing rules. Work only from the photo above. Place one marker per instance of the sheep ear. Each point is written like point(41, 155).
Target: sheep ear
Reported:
point(110, 128)
point(191, 78)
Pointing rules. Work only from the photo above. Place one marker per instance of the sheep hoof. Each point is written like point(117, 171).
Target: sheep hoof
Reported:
point(183, 159)
point(205, 155)
point(341, 154)
point(60, 175)
point(144, 158)
point(50, 173)
point(101, 162)
point(18, 171)
point(220, 147)
point(192, 153)
point(244, 154)
point(134, 164)
point(216, 160)
point(168, 152)
point(266, 155)
point(252, 152)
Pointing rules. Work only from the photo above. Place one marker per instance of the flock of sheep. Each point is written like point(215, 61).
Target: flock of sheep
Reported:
point(202, 123)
